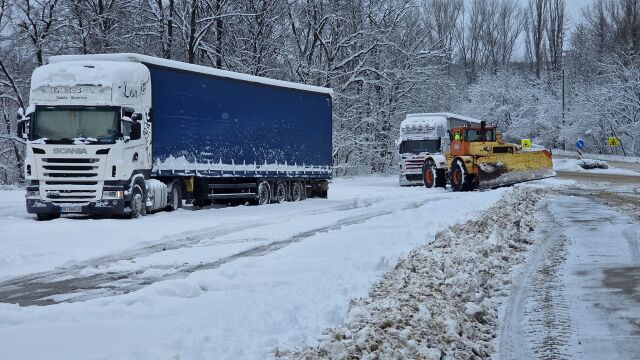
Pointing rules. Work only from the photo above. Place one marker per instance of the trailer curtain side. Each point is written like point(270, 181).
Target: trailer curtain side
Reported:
point(201, 120)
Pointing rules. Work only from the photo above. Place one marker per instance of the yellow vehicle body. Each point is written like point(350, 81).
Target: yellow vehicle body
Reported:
point(478, 158)
point(492, 169)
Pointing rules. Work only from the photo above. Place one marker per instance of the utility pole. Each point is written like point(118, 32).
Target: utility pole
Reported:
point(564, 144)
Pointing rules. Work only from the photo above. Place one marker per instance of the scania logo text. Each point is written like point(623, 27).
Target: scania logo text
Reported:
point(77, 151)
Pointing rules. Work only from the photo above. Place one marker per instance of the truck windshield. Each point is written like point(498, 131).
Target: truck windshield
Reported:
point(70, 125)
point(419, 146)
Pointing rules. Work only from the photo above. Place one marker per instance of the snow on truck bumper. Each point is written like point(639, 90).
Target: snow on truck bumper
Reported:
point(411, 179)
point(100, 207)
point(112, 201)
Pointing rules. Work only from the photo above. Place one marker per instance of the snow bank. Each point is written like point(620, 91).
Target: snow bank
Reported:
point(589, 164)
point(575, 165)
point(441, 302)
point(606, 157)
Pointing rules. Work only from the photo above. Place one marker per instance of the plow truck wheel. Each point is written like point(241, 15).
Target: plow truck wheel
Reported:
point(461, 180)
point(433, 177)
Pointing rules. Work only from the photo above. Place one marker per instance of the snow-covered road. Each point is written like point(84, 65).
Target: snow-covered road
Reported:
point(215, 283)
point(577, 296)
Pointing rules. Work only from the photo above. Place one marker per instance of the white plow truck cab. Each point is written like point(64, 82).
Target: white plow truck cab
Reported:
point(422, 135)
point(88, 137)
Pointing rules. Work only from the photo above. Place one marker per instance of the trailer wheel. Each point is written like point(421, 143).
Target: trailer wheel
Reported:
point(174, 196)
point(137, 202)
point(297, 191)
point(281, 192)
point(264, 193)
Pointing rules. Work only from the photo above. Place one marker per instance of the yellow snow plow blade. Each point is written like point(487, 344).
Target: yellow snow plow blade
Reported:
point(504, 169)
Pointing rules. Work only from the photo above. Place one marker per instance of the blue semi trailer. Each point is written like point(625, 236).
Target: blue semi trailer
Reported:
point(130, 134)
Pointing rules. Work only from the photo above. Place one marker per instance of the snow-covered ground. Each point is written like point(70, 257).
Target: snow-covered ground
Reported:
point(545, 269)
point(226, 283)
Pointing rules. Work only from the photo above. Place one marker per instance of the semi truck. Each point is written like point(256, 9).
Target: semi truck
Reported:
point(128, 134)
point(422, 135)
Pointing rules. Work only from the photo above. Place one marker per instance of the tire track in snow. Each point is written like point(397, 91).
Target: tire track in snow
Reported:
point(69, 285)
point(183, 240)
point(536, 313)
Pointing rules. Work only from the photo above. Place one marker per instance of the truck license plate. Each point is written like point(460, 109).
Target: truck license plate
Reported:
point(71, 209)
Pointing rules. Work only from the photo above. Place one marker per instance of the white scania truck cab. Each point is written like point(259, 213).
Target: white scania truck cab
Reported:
point(421, 135)
point(88, 139)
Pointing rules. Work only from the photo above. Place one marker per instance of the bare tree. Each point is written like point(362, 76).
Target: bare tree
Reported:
point(536, 24)
point(556, 33)
point(39, 20)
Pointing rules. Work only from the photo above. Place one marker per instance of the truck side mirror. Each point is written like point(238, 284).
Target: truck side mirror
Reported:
point(22, 129)
point(20, 114)
point(136, 117)
point(136, 130)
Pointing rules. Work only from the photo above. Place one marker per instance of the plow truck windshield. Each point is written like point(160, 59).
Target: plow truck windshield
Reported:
point(480, 135)
point(68, 125)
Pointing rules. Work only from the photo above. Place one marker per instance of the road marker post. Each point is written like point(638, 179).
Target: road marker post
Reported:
point(579, 146)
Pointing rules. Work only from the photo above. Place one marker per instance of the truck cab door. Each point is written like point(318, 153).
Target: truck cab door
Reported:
point(136, 154)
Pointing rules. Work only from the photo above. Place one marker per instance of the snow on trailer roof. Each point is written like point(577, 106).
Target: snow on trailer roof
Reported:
point(130, 57)
point(423, 117)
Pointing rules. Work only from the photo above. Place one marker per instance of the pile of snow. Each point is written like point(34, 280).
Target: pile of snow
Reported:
point(588, 164)
point(606, 157)
point(441, 302)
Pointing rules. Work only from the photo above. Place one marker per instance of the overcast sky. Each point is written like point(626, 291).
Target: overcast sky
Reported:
point(573, 8)
point(573, 11)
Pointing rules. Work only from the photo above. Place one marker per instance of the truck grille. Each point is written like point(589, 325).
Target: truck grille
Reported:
point(413, 164)
point(70, 180)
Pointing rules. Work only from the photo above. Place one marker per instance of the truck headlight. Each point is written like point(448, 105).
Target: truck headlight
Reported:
point(112, 194)
point(33, 194)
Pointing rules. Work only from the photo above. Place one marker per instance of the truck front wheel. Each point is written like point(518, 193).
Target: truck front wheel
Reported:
point(46, 217)
point(137, 202)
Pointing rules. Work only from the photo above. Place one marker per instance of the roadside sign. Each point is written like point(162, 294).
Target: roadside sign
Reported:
point(525, 143)
point(614, 141)
point(580, 143)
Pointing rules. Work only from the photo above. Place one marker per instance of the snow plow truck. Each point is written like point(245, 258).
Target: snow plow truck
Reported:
point(477, 158)
point(421, 135)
